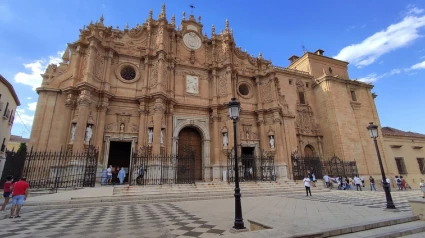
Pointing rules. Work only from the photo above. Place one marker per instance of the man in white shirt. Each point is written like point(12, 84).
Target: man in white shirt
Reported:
point(389, 184)
point(307, 184)
point(358, 182)
point(326, 179)
point(109, 175)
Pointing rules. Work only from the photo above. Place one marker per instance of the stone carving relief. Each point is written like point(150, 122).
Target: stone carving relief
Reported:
point(83, 68)
point(283, 104)
point(222, 85)
point(192, 41)
point(305, 123)
point(266, 91)
point(154, 74)
point(134, 128)
point(123, 118)
point(300, 85)
point(110, 127)
point(99, 66)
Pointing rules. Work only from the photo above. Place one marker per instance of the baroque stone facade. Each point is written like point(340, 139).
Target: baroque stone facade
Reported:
point(146, 85)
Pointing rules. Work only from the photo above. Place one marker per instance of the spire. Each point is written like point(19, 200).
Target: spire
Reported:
point(173, 20)
point(199, 19)
point(101, 19)
point(227, 25)
point(213, 30)
point(126, 26)
point(150, 14)
point(184, 16)
point(162, 14)
point(260, 56)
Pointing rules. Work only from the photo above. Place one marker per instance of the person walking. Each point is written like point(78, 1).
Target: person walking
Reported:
point(422, 185)
point(19, 195)
point(313, 179)
point(6, 191)
point(121, 175)
point(372, 183)
point(326, 179)
point(403, 183)
point(307, 185)
point(362, 179)
point(388, 180)
point(398, 182)
point(358, 183)
point(109, 175)
point(347, 183)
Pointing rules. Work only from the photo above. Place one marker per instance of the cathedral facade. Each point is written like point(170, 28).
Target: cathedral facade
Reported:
point(159, 84)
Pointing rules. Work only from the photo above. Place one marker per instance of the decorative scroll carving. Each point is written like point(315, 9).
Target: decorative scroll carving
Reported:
point(110, 127)
point(300, 85)
point(283, 104)
point(222, 85)
point(70, 101)
point(134, 128)
point(266, 91)
point(99, 66)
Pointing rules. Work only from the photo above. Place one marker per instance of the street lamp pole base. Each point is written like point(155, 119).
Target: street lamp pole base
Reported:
point(234, 230)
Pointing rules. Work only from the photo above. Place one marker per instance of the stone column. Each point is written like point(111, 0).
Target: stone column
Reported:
point(206, 163)
point(169, 132)
point(259, 93)
point(142, 124)
point(214, 86)
point(217, 145)
point(76, 69)
point(84, 102)
point(160, 69)
point(91, 59)
point(102, 107)
point(159, 109)
point(70, 104)
point(108, 58)
point(263, 134)
point(146, 77)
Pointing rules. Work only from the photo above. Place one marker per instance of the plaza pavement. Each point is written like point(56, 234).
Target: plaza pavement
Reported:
point(287, 215)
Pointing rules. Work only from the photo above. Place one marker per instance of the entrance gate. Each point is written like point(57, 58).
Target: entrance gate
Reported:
point(149, 169)
point(333, 167)
point(251, 168)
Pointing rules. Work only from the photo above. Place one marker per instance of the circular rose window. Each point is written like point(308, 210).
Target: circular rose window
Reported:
point(244, 89)
point(128, 73)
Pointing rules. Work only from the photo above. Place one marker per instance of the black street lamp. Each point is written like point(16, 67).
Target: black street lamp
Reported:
point(373, 130)
point(234, 109)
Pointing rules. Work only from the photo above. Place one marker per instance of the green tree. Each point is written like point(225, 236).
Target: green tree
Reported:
point(22, 148)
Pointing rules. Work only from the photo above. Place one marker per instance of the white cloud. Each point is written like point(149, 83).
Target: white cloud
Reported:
point(393, 37)
point(29, 98)
point(23, 118)
point(420, 65)
point(32, 106)
point(374, 77)
point(412, 10)
point(33, 78)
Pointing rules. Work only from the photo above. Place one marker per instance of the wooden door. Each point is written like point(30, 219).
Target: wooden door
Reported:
point(190, 137)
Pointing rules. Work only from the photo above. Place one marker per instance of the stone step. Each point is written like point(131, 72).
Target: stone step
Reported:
point(409, 224)
point(417, 235)
point(52, 205)
point(397, 230)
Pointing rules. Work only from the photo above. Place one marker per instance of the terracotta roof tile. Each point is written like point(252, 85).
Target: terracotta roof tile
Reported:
point(389, 131)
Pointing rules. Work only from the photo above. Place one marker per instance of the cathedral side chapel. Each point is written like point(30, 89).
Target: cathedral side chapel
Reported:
point(164, 85)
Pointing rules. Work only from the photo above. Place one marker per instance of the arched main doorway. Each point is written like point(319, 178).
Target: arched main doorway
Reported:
point(190, 138)
point(308, 151)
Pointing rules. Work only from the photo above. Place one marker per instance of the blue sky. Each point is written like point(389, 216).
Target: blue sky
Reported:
point(383, 41)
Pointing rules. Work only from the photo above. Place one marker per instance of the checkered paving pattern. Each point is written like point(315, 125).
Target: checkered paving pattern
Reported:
point(364, 198)
point(150, 221)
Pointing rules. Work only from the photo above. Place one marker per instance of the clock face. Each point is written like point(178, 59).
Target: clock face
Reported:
point(192, 41)
point(192, 84)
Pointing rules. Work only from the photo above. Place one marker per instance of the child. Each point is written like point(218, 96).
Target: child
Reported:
point(6, 191)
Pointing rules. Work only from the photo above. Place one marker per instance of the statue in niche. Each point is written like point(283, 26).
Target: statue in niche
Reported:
point(74, 127)
point(150, 135)
point(122, 126)
point(162, 136)
point(247, 135)
point(89, 134)
point(225, 139)
point(272, 142)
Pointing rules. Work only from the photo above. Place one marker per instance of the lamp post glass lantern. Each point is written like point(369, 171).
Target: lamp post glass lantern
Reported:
point(373, 131)
point(234, 110)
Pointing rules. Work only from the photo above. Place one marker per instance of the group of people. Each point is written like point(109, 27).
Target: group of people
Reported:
point(19, 192)
point(106, 176)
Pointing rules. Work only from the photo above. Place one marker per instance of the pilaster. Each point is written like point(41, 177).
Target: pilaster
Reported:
point(84, 101)
point(102, 107)
point(142, 123)
point(91, 59)
point(159, 109)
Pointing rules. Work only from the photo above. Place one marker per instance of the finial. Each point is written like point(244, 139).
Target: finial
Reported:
point(184, 16)
point(260, 56)
point(150, 14)
point(91, 22)
point(84, 27)
point(126, 26)
point(162, 14)
point(101, 19)
point(173, 20)
point(137, 25)
point(227, 24)
point(199, 19)
point(213, 29)
point(118, 27)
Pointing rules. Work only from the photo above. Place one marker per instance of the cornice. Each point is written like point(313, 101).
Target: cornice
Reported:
point(44, 89)
point(325, 78)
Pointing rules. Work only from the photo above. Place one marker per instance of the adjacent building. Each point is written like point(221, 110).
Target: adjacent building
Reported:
point(15, 142)
point(9, 101)
point(165, 85)
point(406, 152)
